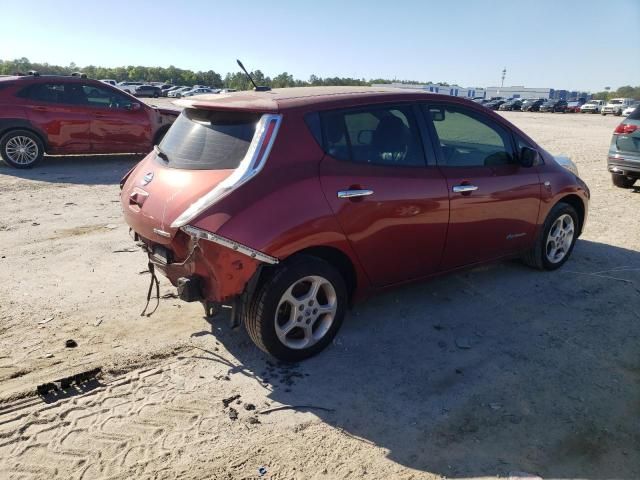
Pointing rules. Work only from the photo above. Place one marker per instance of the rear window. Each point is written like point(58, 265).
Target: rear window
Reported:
point(635, 115)
point(209, 140)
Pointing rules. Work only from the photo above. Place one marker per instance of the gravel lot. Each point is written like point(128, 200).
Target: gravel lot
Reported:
point(496, 370)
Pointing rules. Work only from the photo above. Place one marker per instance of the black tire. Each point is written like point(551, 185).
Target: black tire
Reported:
point(536, 257)
point(155, 95)
point(622, 181)
point(260, 312)
point(13, 134)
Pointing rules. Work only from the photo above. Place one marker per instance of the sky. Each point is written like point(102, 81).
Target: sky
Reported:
point(562, 44)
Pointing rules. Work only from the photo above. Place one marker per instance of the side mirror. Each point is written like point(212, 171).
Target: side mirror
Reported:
point(133, 107)
point(437, 114)
point(528, 157)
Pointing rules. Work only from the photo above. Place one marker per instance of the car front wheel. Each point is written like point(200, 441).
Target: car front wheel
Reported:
point(298, 310)
point(21, 149)
point(557, 239)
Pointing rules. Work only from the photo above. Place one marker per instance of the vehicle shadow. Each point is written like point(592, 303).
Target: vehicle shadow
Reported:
point(77, 169)
point(485, 372)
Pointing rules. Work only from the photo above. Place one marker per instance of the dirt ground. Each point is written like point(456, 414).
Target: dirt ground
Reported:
point(486, 373)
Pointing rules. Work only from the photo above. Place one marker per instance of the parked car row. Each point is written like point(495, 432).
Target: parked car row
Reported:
point(141, 89)
point(615, 106)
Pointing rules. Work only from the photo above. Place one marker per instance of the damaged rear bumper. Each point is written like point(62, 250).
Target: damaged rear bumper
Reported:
point(205, 266)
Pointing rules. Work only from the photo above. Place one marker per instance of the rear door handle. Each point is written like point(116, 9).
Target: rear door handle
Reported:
point(464, 188)
point(354, 193)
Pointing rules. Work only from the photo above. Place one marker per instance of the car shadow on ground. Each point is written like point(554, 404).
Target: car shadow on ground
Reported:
point(76, 169)
point(485, 372)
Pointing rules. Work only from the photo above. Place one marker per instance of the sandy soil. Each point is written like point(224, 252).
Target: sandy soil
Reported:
point(548, 381)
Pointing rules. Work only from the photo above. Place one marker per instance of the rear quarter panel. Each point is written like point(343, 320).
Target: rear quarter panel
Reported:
point(283, 209)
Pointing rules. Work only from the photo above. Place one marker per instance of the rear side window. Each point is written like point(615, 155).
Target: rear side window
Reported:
point(208, 140)
point(375, 135)
point(44, 92)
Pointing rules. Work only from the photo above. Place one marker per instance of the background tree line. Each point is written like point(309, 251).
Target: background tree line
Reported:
point(626, 91)
point(237, 80)
point(178, 76)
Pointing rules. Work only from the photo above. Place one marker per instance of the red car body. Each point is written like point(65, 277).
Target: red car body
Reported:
point(412, 227)
point(96, 118)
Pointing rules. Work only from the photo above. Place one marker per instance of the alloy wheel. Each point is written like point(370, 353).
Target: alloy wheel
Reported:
point(21, 150)
point(305, 312)
point(560, 238)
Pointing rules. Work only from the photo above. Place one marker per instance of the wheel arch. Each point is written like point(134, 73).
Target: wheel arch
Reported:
point(332, 255)
point(29, 128)
point(577, 203)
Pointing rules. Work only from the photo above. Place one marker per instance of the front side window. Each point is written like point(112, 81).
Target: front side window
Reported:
point(467, 139)
point(375, 135)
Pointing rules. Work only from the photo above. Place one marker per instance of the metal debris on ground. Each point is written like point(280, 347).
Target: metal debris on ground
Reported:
point(46, 320)
point(262, 471)
point(65, 383)
point(295, 407)
point(227, 401)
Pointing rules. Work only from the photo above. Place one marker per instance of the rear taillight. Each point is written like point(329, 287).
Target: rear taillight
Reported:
point(249, 167)
point(625, 128)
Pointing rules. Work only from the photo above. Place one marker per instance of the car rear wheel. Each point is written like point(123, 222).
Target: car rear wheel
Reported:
point(558, 237)
point(21, 149)
point(623, 181)
point(298, 310)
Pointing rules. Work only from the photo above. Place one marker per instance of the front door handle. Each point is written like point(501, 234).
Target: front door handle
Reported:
point(354, 193)
point(464, 188)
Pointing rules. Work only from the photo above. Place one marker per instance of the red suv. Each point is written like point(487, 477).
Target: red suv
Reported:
point(288, 205)
point(65, 115)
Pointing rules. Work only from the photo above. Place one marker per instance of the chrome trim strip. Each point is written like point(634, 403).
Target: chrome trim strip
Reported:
point(225, 242)
point(245, 171)
point(464, 188)
point(354, 193)
point(162, 233)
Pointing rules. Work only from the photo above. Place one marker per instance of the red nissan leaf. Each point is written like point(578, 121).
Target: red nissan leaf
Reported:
point(289, 205)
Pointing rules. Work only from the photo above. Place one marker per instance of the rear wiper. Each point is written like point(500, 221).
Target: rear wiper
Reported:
point(161, 153)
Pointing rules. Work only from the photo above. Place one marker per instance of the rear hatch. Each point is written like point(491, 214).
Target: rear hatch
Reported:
point(200, 158)
point(627, 135)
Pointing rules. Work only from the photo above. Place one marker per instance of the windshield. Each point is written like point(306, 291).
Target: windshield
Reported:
point(615, 102)
point(208, 140)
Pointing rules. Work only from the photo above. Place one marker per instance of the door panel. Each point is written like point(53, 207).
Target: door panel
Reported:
point(67, 127)
point(497, 219)
point(494, 202)
point(398, 229)
point(115, 125)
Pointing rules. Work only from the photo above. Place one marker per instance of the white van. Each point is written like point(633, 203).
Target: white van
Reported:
point(617, 105)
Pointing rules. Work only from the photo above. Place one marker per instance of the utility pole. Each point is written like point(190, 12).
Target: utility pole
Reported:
point(504, 74)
